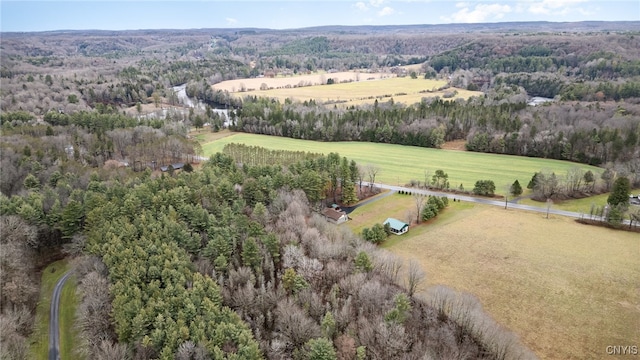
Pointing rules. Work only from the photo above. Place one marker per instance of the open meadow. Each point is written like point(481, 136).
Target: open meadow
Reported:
point(568, 290)
point(577, 205)
point(281, 82)
point(353, 92)
point(400, 164)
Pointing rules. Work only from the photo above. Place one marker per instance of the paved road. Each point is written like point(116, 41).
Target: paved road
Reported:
point(54, 323)
point(486, 201)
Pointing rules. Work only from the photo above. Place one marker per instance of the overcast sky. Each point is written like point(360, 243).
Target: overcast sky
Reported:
point(28, 15)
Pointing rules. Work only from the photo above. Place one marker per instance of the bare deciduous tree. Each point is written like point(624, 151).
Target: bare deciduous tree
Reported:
point(419, 201)
point(372, 172)
point(388, 264)
point(415, 277)
point(293, 325)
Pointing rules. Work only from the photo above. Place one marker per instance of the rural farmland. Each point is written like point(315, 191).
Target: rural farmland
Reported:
point(205, 190)
point(400, 164)
point(345, 91)
point(568, 290)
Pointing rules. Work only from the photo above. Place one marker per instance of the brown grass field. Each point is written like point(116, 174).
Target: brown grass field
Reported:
point(568, 290)
point(370, 87)
point(291, 81)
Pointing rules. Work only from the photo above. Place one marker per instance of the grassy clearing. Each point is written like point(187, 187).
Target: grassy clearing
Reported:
point(40, 337)
point(396, 206)
point(204, 136)
point(68, 333)
point(577, 205)
point(568, 290)
point(405, 90)
point(399, 164)
point(316, 79)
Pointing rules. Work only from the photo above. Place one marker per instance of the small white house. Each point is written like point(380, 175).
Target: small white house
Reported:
point(397, 227)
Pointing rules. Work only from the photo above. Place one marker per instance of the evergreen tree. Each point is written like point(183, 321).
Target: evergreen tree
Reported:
point(620, 192)
point(251, 253)
point(328, 325)
point(349, 194)
point(320, 349)
point(589, 178)
point(363, 263)
point(533, 181)
point(484, 187)
point(516, 189)
point(31, 182)
point(400, 313)
point(71, 219)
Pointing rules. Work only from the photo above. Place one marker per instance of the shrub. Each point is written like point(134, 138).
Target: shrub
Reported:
point(484, 187)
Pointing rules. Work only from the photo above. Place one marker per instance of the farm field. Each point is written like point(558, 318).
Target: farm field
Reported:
point(567, 290)
point(400, 164)
point(577, 205)
point(401, 89)
point(253, 84)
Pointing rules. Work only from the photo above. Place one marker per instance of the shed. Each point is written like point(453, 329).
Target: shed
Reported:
point(397, 227)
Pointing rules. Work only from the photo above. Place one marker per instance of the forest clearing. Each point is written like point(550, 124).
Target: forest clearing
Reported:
point(400, 164)
point(568, 290)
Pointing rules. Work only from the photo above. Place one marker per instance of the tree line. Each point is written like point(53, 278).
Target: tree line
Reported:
point(257, 155)
point(587, 133)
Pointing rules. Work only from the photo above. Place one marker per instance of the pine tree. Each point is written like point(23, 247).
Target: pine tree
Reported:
point(320, 349)
point(516, 189)
point(31, 182)
point(251, 253)
point(620, 192)
point(349, 194)
point(71, 219)
point(363, 263)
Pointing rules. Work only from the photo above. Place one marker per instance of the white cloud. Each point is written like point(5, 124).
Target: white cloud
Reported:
point(553, 7)
point(361, 6)
point(376, 3)
point(386, 11)
point(480, 13)
point(231, 21)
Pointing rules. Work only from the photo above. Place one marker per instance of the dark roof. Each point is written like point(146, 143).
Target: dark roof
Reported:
point(333, 214)
point(176, 166)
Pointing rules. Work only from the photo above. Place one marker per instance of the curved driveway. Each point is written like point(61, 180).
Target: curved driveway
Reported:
point(54, 323)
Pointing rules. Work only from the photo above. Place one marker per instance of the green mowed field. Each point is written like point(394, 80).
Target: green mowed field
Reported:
point(567, 290)
point(402, 89)
point(400, 164)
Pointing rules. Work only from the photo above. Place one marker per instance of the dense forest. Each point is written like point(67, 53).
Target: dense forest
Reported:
point(232, 260)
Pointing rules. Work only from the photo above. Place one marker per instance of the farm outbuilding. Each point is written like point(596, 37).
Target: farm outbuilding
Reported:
point(397, 227)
